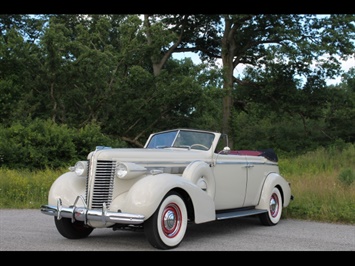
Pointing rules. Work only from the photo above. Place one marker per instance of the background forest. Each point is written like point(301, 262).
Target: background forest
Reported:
point(71, 82)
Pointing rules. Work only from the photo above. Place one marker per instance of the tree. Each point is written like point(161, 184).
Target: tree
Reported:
point(296, 41)
point(179, 33)
point(340, 114)
point(99, 68)
point(308, 46)
point(78, 69)
point(19, 67)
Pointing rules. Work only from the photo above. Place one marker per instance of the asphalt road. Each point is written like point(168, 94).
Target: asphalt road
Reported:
point(30, 230)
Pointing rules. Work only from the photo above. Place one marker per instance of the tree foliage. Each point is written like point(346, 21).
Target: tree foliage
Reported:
point(284, 45)
point(121, 73)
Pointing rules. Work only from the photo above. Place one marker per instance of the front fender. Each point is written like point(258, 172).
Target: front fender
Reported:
point(67, 187)
point(274, 180)
point(145, 196)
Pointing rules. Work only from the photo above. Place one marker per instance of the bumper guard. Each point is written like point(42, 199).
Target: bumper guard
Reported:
point(84, 214)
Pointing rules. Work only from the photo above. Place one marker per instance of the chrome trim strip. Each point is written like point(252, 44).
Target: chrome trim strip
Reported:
point(246, 163)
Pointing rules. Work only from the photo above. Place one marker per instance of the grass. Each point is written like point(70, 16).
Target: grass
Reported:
point(322, 182)
point(24, 189)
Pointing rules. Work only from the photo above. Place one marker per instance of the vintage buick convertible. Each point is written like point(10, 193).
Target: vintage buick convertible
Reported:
point(181, 176)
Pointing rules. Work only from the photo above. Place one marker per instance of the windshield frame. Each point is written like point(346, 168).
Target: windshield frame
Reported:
point(181, 138)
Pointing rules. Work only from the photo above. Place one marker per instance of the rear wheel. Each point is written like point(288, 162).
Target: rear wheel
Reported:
point(71, 230)
point(166, 228)
point(273, 215)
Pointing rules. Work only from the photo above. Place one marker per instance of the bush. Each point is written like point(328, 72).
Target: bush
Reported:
point(90, 136)
point(40, 144)
point(36, 144)
point(347, 176)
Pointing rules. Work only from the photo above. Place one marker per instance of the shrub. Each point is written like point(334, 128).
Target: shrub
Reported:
point(347, 176)
point(36, 144)
point(87, 138)
point(40, 144)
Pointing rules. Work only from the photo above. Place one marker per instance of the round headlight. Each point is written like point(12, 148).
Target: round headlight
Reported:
point(121, 170)
point(80, 168)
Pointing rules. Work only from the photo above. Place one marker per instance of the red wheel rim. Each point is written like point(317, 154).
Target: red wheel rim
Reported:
point(274, 205)
point(171, 220)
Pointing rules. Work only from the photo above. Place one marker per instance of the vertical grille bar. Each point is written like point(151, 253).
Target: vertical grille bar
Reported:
point(87, 184)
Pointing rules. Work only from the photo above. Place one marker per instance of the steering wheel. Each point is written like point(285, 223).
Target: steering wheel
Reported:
point(200, 145)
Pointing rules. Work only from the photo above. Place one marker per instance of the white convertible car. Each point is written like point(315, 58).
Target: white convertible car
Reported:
point(181, 176)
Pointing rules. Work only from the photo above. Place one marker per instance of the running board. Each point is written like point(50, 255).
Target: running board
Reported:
point(235, 214)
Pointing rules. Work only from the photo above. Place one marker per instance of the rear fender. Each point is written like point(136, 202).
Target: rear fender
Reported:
point(274, 180)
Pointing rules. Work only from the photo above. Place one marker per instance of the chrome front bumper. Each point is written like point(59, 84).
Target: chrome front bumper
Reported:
point(85, 215)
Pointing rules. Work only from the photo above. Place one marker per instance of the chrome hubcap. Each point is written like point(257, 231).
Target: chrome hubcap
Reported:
point(274, 205)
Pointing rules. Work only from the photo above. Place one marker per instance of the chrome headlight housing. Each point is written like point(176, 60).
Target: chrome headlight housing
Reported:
point(80, 168)
point(121, 170)
point(126, 170)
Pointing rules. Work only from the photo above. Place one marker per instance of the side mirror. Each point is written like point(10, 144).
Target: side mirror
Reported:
point(226, 150)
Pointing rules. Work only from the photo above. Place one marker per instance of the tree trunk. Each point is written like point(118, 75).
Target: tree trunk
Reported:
point(228, 48)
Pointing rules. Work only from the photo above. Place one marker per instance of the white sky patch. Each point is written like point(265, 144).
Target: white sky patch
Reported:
point(346, 65)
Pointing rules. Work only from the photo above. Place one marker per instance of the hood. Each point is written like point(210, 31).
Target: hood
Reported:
point(141, 155)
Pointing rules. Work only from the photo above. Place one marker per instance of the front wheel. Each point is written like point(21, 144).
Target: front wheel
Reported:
point(71, 230)
point(273, 215)
point(166, 228)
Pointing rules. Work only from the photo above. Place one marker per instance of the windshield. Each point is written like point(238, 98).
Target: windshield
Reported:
point(162, 140)
point(182, 139)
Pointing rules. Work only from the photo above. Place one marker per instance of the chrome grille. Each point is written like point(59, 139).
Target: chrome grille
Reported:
point(103, 184)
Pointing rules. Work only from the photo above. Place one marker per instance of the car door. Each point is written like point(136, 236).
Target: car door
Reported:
point(257, 170)
point(231, 181)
